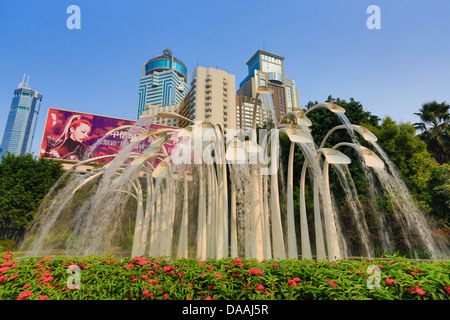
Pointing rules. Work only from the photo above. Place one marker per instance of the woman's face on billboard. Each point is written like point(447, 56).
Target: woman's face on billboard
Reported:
point(80, 133)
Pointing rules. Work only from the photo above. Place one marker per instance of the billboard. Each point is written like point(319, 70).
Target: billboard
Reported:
point(72, 135)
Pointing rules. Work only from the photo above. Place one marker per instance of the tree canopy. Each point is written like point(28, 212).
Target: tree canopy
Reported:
point(24, 181)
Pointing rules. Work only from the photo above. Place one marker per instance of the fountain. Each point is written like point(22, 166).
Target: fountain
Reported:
point(217, 195)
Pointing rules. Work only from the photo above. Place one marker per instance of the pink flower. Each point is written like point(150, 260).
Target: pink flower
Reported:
point(133, 278)
point(217, 275)
point(331, 265)
point(47, 279)
point(25, 294)
point(202, 262)
point(390, 281)
point(297, 279)
point(144, 277)
point(129, 266)
point(155, 266)
point(259, 287)
point(27, 286)
point(254, 271)
point(43, 297)
point(166, 296)
point(3, 278)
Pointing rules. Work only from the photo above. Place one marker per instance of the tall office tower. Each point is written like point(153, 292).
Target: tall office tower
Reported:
point(21, 123)
point(213, 97)
point(164, 82)
point(267, 69)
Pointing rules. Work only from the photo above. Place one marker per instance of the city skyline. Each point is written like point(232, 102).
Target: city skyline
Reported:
point(328, 48)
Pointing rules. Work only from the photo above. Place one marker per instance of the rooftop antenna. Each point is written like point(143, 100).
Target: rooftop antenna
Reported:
point(23, 80)
point(27, 81)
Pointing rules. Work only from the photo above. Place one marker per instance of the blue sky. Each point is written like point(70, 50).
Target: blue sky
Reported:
point(327, 46)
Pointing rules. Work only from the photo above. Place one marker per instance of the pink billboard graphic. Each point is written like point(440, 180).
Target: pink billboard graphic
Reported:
point(70, 135)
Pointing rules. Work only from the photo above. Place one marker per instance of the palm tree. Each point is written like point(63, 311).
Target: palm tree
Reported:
point(435, 127)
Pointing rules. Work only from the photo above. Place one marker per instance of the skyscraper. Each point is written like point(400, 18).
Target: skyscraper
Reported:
point(267, 69)
point(164, 82)
point(21, 123)
point(213, 97)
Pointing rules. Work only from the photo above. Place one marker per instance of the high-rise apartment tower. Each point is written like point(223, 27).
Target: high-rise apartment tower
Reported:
point(213, 97)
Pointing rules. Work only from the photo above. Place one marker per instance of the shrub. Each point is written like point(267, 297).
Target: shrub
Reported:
point(148, 278)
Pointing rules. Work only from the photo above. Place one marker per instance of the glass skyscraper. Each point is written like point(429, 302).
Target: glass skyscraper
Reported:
point(164, 82)
point(21, 123)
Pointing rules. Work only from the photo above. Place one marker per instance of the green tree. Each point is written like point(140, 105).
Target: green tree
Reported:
point(24, 181)
point(409, 153)
point(435, 127)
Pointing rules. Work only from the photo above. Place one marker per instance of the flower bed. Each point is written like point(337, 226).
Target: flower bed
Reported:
point(109, 278)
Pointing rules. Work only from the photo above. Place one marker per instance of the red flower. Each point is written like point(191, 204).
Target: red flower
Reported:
point(390, 281)
point(147, 293)
point(180, 274)
point(207, 298)
point(4, 269)
point(144, 277)
point(2, 278)
point(27, 286)
point(217, 275)
point(332, 283)
point(259, 287)
point(417, 290)
point(167, 268)
point(331, 265)
point(297, 279)
point(275, 265)
point(133, 278)
point(292, 283)
point(202, 262)
point(43, 297)
point(420, 291)
point(254, 271)
point(166, 296)
point(6, 264)
point(446, 289)
point(155, 266)
point(7, 256)
point(24, 295)
point(129, 266)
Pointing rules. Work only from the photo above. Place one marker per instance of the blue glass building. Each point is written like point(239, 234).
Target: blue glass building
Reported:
point(164, 82)
point(21, 123)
